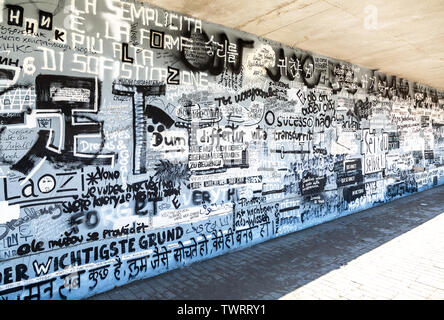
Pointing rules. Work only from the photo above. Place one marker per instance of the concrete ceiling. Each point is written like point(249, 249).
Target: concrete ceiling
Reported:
point(408, 40)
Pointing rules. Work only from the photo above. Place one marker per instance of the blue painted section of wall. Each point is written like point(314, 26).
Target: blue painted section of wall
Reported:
point(136, 140)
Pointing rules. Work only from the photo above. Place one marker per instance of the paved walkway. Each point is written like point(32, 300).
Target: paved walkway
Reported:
point(395, 251)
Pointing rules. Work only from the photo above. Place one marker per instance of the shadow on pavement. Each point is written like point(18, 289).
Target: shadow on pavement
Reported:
point(276, 267)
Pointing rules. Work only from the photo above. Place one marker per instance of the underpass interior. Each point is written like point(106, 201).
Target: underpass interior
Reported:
point(144, 141)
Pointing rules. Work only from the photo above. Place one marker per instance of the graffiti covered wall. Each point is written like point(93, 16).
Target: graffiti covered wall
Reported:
point(135, 140)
